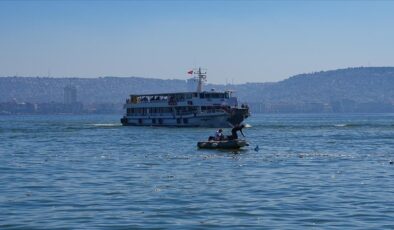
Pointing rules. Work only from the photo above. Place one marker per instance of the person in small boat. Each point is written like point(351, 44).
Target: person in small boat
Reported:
point(234, 131)
point(218, 136)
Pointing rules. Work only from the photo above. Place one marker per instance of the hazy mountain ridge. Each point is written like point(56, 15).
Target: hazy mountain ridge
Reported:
point(364, 84)
point(361, 85)
point(90, 90)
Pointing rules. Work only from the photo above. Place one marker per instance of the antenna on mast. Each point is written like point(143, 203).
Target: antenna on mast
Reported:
point(201, 78)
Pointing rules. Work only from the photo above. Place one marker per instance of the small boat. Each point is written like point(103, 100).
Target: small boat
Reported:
point(225, 144)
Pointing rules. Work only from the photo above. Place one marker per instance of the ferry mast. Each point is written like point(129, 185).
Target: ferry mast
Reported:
point(201, 78)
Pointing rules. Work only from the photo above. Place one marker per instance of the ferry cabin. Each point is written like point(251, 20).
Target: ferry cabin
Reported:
point(180, 109)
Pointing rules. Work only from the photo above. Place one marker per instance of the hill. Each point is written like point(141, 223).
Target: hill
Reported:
point(361, 89)
point(358, 84)
point(90, 90)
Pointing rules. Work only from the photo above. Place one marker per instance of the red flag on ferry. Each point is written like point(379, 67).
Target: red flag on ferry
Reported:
point(190, 72)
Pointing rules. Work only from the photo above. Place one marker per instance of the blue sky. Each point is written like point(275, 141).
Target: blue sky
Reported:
point(237, 41)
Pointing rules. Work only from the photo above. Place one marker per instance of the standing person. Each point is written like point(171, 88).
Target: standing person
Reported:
point(234, 134)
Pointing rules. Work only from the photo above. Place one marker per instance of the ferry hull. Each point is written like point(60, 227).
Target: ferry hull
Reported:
point(214, 121)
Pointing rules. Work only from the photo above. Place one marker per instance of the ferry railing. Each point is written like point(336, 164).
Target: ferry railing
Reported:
point(150, 114)
point(146, 102)
point(186, 112)
point(214, 111)
point(179, 113)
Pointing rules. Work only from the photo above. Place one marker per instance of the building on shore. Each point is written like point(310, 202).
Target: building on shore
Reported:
point(70, 94)
point(71, 105)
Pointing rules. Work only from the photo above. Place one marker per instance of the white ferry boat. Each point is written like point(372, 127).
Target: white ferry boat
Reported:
point(187, 109)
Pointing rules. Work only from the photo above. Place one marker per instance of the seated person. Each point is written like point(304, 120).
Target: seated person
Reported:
point(219, 135)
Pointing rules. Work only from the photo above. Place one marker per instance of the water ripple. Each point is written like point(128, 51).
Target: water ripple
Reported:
point(313, 171)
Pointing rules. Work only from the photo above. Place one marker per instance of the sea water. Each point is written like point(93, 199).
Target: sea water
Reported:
point(89, 172)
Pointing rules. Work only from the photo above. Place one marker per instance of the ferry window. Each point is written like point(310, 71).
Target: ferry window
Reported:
point(178, 120)
point(160, 121)
point(194, 94)
point(227, 95)
point(202, 95)
point(140, 121)
point(185, 121)
point(154, 121)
